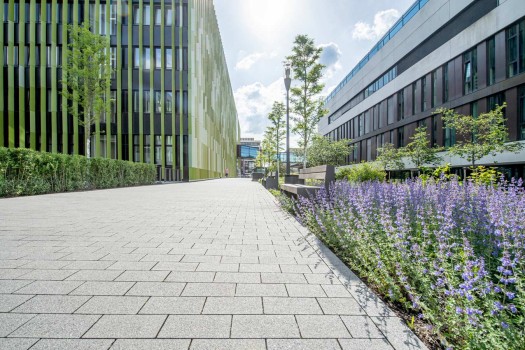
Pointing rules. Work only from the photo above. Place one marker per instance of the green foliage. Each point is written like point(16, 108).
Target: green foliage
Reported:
point(419, 150)
point(27, 172)
point(361, 173)
point(86, 77)
point(479, 136)
point(389, 157)
point(307, 106)
point(276, 132)
point(441, 173)
point(485, 176)
point(324, 151)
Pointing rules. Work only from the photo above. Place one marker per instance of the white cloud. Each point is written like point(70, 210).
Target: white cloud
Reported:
point(254, 103)
point(330, 57)
point(248, 61)
point(383, 20)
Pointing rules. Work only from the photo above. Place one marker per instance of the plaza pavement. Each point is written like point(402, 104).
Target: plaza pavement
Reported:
point(205, 265)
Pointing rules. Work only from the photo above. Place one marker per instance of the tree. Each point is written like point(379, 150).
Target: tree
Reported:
point(419, 150)
point(390, 158)
point(306, 105)
point(277, 121)
point(87, 77)
point(325, 151)
point(479, 136)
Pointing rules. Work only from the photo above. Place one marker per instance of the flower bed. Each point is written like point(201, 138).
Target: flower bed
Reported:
point(450, 253)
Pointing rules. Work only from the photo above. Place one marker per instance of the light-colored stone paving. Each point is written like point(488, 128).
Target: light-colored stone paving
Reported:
point(205, 265)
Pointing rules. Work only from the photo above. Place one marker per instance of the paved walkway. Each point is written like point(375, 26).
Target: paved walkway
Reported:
point(207, 265)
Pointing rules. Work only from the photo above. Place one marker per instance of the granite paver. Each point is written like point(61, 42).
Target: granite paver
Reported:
point(205, 265)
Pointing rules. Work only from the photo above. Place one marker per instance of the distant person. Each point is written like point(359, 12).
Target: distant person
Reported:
point(226, 171)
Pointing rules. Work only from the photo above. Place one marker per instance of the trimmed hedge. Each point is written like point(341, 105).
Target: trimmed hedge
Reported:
point(28, 172)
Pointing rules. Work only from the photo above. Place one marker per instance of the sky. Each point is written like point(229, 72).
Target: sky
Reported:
point(257, 35)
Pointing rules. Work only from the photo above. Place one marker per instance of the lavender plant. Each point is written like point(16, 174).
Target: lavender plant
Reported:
point(451, 253)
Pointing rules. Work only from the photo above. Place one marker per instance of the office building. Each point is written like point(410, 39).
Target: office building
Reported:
point(172, 102)
point(468, 55)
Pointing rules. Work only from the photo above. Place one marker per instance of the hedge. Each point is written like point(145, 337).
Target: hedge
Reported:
point(28, 172)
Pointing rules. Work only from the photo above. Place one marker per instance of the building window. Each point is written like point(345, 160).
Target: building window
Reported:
point(521, 112)
point(136, 57)
point(414, 94)
point(433, 91)
point(423, 94)
point(470, 71)
point(491, 61)
point(113, 97)
point(401, 105)
point(48, 56)
point(449, 137)
point(369, 150)
point(516, 49)
point(169, 59)
point(367, 122)
point(495, 100)
point(158, 149)
point(445, 83)
point(169, 16)
point(112, 19)
point(147, 58)
point(158, 58)
point(401, 137)
point(146, 17)
point(114, 154)
point(433, 135)
point(168, 103)
point(185, 58)
point(361, 125)
point(136, 14)
point(102, 19)
point(147, 149)
point(136, 101)
point(136, 148)
point(158, 102)
point(103, 146)
point(113, 58)
point(147, 102)
point(158, 15)
point(169, 150)
point(390, 110)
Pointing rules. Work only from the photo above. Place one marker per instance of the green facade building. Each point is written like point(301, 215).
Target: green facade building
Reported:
point(172, 102)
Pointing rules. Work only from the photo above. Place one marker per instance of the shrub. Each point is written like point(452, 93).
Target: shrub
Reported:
point(361, 173)
point(27, 172)
point(450, 253)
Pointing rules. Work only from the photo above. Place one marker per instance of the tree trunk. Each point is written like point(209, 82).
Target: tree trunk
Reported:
point(87, 135)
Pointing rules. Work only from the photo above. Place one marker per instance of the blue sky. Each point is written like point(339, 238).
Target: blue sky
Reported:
point(257, 35)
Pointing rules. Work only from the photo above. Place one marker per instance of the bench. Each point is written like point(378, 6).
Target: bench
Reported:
point(323, 172)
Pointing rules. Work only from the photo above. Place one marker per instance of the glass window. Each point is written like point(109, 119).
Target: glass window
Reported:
point(136, 148)
point(515, 49)
point(491, 61)
point(185, 58)
point(158, 149)
point(414, 94)
point(113, 19)
point(450, 137)
point(147, 15)
point(423, 94)
point(147, 58)
point(445, 83)
point(135, 101)
point(48, 13)
point(390, 110)
point(147, 102)
point(521, 112)
point(401, 137)
point(114, 154)
point(147, 149)
point(158, 15)
point(169, 102)
point(361, 125)
point(103, 146)
point(434, 89)
point(48, 56)
point(470, 71)
point(401, 105)
point(158, 102)
point(102, 19)
point(113, 97)
point(158, 57)
point(136, 14)
point(367, 122)
point(169, 59)
point(136, 57)
point(169, 150)
point(169, 16)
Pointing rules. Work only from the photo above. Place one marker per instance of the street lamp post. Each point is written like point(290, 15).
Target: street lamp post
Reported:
point(287, 82)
